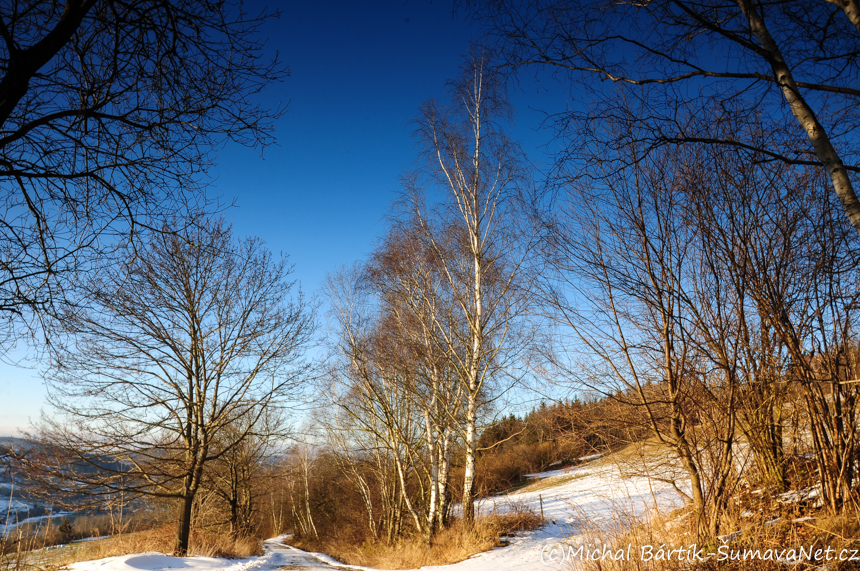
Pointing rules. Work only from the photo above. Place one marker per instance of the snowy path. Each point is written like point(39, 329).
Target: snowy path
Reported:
point(595, 495)
point(276, 556)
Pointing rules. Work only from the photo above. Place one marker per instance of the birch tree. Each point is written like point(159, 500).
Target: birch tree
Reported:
point(406, 274)
point(374, 392)
point(476, 171)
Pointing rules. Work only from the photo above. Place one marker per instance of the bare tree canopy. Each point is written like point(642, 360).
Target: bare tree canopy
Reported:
point(686, 65)
point(177, 359)
point(707, 289)
point(109, 111)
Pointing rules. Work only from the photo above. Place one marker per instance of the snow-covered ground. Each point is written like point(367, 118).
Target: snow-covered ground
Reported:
point(277, 556)
point(592, 496)
point(12, 522)
point(8, 504)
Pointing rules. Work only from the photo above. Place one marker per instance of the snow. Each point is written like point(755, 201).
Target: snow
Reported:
point(86, 539)
point(549, 474)
point(10, 524)
point(588, 497)
point(153, 561)
point(803, 495)
point(277, 555)
point(14, 505)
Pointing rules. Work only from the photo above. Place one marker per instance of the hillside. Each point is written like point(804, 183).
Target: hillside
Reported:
point(594, 497)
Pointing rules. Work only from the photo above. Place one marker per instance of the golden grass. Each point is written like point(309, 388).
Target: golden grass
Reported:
point(550, 482)
point(752, 537)
point(450, 545)
point(650, 450)
point(159, 539)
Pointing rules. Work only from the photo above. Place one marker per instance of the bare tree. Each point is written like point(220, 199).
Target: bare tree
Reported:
point(109, 111)
point(237, 476)
point(374, 391)
point(748, 214)
point(772, 232)
point(812, 310)
point(478, 171)
point(698, 283)
point(427, 330)
point(647, 317)
point(790, 62)
point(350, 454)
point(176, 361)
point(396, 377)
point(407, 276)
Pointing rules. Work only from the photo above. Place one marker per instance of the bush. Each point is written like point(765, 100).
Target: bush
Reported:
point(450, 545)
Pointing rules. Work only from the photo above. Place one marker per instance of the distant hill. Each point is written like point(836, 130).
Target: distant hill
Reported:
point(12, 441)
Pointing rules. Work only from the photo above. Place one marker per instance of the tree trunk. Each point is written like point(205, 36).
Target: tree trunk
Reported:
point(474, 385)
point(306, 462)
point(801, 110)
point(234, 518)
point(183, 528)
point(703, 529)
point(469, 478)
point(683, 450)
point(234, 501)
point(851, 8)
point(444, 492)
point(401, 475)
point(433, 500)
point(364, 491)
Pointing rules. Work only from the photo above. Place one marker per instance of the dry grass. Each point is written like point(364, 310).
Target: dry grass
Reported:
point(450, 545)
point(551, 482)
point(759, 538)
point(159, 539)
point(650, 449)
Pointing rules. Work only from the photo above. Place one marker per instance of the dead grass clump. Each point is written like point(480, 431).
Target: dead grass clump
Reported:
point(161, 539)
point(219, 544)
point(514, 517)
point(450, 545)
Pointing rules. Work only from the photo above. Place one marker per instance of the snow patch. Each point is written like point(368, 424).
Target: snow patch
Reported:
point(806, 494)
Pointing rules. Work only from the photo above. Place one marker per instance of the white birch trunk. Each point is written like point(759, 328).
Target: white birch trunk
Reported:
point(469, 478)
point(432, 446)
point(444, 466)
point(851, 9)
point(804, 114)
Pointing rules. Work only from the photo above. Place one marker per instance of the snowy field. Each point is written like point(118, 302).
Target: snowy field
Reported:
point(13, 522)
point(587, 497)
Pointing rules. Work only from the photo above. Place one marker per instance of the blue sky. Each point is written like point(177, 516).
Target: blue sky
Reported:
point(359, 71)
point(358, 76)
